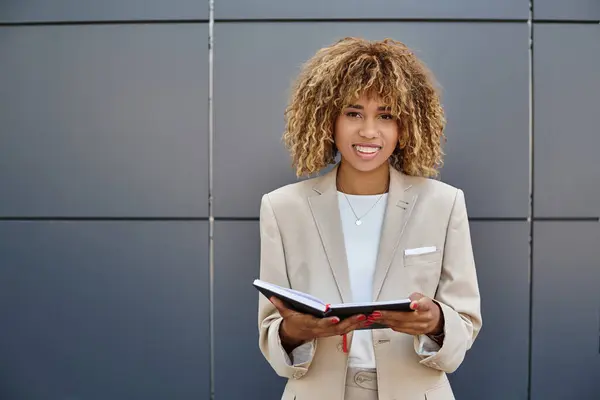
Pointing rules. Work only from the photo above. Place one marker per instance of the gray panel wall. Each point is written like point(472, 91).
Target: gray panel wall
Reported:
point(104, 120)
point(567, 136)
point(237, 256)
point(106, 10)
point(104, 310)
point(104, 157)
point(582, 10)
point(104, 257)
point(566, 311)
point(379, 9)
point(496, 366)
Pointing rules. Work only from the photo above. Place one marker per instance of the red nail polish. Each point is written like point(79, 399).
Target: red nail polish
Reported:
point(362, 318)
point(376, 314)
point(335, 320)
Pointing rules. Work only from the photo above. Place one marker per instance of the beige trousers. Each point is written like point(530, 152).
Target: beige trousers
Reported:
point(361, 384)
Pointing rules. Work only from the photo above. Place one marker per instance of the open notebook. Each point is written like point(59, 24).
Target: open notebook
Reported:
point(305, 303)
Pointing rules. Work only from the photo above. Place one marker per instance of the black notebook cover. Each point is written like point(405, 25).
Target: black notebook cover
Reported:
point(291, 303)
point(342, 311)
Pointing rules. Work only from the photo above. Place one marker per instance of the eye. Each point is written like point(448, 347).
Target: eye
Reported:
point(353, 114)
point(387, 116)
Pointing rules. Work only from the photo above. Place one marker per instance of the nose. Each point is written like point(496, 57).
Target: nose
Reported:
point(369, 129)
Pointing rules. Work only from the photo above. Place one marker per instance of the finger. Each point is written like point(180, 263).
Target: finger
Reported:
point(408, 327)
point(354, 322)
point(345, 329)
point(424, 304)
point(347, 325)
point(284, 311)
point(370, 322)
point(405, 331)
point(390, 316)
point(350, 328)
point(325, 325)
point(351, 322)
point(416, 296)
point(413, 328)
point(401, 320)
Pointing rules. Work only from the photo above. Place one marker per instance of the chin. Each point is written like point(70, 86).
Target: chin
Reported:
point(367, 166)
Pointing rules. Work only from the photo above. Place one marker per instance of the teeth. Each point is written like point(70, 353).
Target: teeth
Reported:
point(365, 149)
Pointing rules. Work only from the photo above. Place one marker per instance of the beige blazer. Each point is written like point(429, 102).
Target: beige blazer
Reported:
point(302, 247)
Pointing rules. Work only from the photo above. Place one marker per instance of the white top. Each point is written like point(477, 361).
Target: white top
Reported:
point(362, 247)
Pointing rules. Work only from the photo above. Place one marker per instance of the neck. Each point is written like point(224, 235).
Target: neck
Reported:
point(353, 181)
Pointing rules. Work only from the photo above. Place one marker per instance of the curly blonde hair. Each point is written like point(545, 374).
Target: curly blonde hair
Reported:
point(337, 75)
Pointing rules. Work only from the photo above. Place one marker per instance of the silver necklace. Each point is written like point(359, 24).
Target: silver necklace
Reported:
point(359, 219)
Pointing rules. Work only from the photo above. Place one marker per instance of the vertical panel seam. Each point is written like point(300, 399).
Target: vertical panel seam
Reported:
point(531, 195)
point(211, 219)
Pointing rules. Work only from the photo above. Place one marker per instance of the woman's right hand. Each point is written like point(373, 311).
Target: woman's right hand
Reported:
point(298, 328)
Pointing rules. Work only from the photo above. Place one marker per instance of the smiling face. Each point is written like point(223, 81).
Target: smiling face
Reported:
point(366, 134)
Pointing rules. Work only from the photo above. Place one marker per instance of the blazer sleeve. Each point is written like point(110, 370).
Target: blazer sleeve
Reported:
point(273, 270)
point(457, 293)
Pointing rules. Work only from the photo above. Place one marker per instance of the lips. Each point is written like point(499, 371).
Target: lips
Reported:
point(366, 151)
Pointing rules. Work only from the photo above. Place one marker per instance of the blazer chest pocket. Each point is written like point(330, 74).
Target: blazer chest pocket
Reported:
point(417, 257)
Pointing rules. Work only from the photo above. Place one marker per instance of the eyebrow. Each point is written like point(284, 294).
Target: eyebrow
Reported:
point(359, 107)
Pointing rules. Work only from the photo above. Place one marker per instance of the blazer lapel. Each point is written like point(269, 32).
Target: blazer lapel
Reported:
point(399, 207)
point(323, 203)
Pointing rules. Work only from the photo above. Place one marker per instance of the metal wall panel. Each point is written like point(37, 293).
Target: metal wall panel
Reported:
point(104, 310)
point(482, 67)
point(567, 99)
point(236, 334)
point(106, 10)
point(566, 308)
point(102, 120)
point(567, 10)
point(379, 9)
point(496, 367)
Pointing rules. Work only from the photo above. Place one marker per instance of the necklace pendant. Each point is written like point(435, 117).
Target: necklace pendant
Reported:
point(358, 222)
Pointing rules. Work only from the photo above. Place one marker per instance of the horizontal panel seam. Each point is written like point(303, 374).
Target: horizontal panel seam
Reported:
point(259, 20)
point(60, 218)
point(358, 19)
point(294, 20)
point(104, 22)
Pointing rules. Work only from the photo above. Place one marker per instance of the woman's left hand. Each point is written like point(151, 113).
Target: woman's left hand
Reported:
point(426, 319)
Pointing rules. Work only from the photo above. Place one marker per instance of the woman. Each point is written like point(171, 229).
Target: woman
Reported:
point(374, 228)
